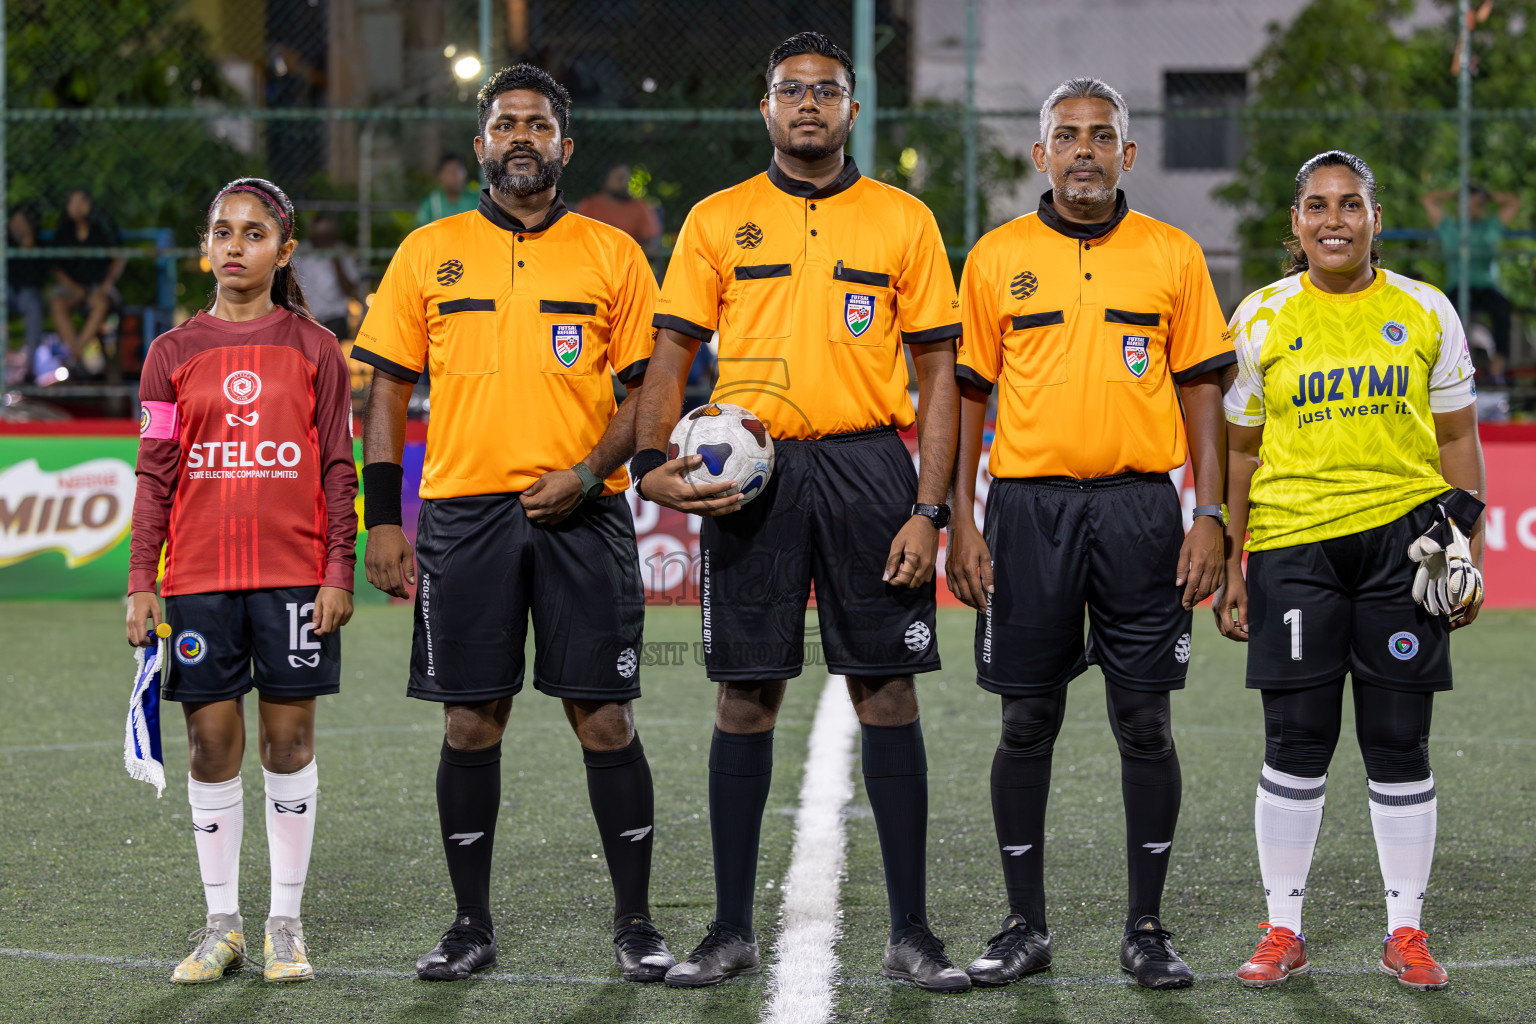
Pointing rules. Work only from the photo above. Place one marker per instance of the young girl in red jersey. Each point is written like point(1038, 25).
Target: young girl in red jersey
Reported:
point(246, 477)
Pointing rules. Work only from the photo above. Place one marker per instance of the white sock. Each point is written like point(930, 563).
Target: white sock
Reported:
point(1404, 816)
point(1286, 817)
point(291, 803)
point(218, 823)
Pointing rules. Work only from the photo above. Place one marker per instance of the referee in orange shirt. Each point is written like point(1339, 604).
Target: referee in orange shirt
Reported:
point(1101, 333)
point(817, 279)
point(522, 311)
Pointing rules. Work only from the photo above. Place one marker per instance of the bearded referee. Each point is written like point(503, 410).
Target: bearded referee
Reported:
point(1100, 331)
point(521, 311)
point(817, 280)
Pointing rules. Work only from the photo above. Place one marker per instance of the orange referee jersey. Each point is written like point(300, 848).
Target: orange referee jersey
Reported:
point(519, 327)
point(1088, 328)
point(813, 292)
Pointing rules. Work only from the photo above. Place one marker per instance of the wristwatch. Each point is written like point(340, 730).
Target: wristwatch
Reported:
point(937, 514)
point(1216, 512)
point(591, 483)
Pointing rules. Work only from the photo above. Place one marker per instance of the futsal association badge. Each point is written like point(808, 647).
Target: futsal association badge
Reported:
point(1394, 332)
point(1134, 350)
point(858, 312)
point(566, 339)
point(1403, 645)
point(191, 648)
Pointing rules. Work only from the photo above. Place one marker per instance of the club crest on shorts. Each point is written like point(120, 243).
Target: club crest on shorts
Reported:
point(1394, 332)
point(566, 340)
point(1403, 645)
point(191, 648)
point(1181, 650)
point(858, 312)
point(1134, 349)
point(918, 636)
point(242, 387)
point(627, 662)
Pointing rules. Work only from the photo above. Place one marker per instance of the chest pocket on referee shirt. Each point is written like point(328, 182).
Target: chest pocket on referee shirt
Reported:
point(1135, 348)
point(761, 302)
point(569, 333)
point(861, 306)
point(470, 340)
point(1035, 350)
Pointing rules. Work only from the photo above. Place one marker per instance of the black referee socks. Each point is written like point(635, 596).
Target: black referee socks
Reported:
point(896, 779)
point(740, 771)
point(623, 804)
point(468, 799)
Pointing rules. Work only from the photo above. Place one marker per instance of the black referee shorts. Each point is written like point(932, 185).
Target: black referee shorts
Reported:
point(225, 643)
point(827, 516)
point(482, 567)
point(1319, 610)
point(1057, 544)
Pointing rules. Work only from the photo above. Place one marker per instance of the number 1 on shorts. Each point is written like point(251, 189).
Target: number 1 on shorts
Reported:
point(1293, 619)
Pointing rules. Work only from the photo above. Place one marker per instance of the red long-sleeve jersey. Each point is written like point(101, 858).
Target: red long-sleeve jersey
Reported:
point(245, 470)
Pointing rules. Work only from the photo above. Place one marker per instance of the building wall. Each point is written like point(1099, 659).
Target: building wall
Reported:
point(1027, 48)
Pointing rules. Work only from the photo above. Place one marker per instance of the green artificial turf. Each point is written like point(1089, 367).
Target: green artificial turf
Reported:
point(99, 885)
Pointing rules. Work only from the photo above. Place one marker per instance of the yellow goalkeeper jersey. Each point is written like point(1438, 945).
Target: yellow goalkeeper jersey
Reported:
point(1345, 387)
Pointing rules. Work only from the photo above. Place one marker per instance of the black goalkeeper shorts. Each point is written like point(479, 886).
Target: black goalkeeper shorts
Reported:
point(482, 569)
point(1319, 610)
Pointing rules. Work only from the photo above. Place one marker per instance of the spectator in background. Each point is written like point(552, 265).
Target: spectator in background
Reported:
point(88, 284)
point(329, 282)
point(25, 279)
point(614, 205)
point(452, 194)
point(1487, 233)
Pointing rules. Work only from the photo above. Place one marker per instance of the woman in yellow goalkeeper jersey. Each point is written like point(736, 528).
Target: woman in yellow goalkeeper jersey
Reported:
point(1356, 476)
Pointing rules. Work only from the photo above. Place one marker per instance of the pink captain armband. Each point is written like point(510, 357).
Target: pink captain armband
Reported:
point(159, 420)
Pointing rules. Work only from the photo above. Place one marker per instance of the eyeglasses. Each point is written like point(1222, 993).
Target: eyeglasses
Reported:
point(825, 93)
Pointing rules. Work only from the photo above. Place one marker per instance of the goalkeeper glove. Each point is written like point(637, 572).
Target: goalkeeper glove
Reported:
point(1447, 581)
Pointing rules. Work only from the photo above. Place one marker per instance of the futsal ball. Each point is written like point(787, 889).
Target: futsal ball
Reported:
point(733, 443)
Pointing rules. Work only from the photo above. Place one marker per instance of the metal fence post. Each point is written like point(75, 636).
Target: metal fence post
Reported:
point(365, 192)
point(1464, 159)
point(971, 184)
point(864, 69)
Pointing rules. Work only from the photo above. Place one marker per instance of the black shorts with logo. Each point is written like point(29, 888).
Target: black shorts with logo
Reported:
point(1319, 610)
point(482, 568)
point(217, 638)
point(1110, 543)
point(827, 516)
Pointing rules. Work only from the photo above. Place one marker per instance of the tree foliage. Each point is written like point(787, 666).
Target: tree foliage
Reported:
point(1358, 75)
point(65, 54)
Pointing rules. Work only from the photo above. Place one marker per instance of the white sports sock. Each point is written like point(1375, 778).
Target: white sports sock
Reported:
point(1404, 816)
point(291, 804)
point(1286, 817)
point(218, 823)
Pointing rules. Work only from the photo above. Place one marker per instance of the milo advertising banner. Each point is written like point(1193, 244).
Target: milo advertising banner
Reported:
point(65, 507)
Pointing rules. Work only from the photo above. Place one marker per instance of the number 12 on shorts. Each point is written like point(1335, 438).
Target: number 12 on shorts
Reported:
point(1292, 619)
point(300, 635)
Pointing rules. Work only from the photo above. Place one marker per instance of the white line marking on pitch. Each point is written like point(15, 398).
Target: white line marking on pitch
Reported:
point(801, 982)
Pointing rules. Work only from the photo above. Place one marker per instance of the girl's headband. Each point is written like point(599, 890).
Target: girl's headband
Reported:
point(267, 197)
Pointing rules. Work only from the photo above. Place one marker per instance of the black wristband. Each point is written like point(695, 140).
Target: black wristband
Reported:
point(382, 482)
point(645, 460)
